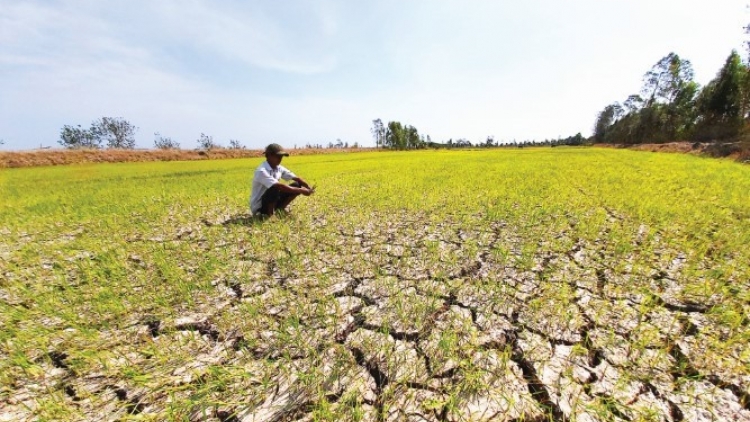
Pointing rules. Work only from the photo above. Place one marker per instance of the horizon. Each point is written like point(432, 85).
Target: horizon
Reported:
point(313, 72)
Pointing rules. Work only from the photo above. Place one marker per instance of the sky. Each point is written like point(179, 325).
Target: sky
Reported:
point(314, 71)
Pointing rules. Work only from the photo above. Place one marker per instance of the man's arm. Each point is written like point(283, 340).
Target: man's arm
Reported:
point(301, 182)
point(283, 187)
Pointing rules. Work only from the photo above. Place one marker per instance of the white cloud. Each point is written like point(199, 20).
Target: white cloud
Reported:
point(245, 32)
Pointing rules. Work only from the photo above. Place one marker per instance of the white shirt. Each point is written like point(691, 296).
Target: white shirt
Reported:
point(263, 179)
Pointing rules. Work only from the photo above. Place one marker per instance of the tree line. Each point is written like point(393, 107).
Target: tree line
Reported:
point(398, 136)
point(116, 132)
point(671, 106)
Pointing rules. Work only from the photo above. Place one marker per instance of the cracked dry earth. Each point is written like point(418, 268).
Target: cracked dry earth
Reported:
point(402, 317)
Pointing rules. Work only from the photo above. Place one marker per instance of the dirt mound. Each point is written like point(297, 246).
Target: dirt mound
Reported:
point(739, 151)
point(54, 157)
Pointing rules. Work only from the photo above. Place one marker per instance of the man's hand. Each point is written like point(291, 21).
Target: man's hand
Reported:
point(307, 191)
point(302, 183)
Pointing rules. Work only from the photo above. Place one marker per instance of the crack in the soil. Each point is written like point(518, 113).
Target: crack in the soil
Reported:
point(71, 392)
point(398, 335)
point(683, 368)
point(380, 378)
point(595, 355)
point(611, 405)
point(601, 280)
point(552, 340)
point(742, 396)
point(227, 416)
point(358, 322)
point(535, 386)
point(154, 326)
point(133, 405)
point(686, 308)
point(350, 290)
point(203, 327)
point(471, 270)
point(236, 288)
point(674, 411)
point(453, 301)
point(58, 359)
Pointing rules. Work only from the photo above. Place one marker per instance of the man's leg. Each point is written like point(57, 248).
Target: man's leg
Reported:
point(269, 201)
point(273, 199)
point(287, 198)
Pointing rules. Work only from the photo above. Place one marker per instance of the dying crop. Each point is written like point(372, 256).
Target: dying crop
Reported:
point(539, 284)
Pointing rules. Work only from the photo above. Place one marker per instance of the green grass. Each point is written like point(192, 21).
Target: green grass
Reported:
point(580, 247)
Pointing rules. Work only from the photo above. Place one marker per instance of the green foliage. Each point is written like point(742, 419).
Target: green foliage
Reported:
point(674, 107)
point(667, 79)
point(75, 137)
point(723, 102)
point(161, 142)
point(116, 132)
point(378, 132)
point(604, 121)
point(397, 136)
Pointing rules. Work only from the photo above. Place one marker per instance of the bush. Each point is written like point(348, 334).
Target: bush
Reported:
point(116, 131)
point(206, 142)
point(161, 142)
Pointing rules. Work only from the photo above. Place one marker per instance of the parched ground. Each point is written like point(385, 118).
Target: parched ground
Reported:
point(373, 316)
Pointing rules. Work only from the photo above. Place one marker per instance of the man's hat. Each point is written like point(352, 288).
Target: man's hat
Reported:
point(276, 149)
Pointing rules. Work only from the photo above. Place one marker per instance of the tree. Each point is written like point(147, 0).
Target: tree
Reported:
point(76, 137)
point(666, 79)
point(206, 142)
point(378, 132)
point(235, 144)
point(633, 103)
point(604, 120)
point(723, 103)
point(161, 142)
point(116, 131)
point(412, 138)
point(681, 112)
point(395, 137)
point(665, 112)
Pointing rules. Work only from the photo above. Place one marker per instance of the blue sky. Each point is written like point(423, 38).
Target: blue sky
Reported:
point(303, 71)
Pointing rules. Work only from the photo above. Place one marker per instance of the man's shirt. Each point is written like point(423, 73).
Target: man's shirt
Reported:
point(263, 179)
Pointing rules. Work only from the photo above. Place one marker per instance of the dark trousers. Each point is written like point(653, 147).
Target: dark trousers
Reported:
point(274, 196)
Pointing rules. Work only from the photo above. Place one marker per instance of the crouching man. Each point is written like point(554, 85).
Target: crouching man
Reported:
point(269, 194)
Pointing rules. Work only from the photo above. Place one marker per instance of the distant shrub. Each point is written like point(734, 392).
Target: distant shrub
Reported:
point(161, 142)
point(115, 131)
point(206, 142)
point(235, 144)
point(76, 137)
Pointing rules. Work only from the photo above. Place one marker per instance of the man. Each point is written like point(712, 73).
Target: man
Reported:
point(268, 194)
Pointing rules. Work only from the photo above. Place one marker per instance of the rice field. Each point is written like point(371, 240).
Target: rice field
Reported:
point(560, 284)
